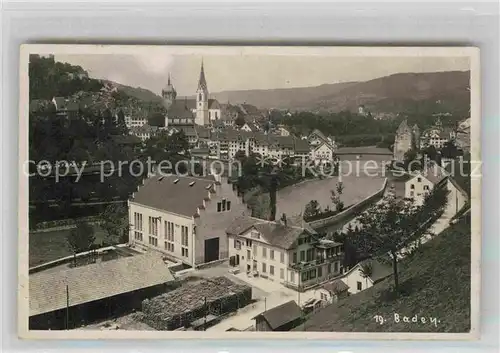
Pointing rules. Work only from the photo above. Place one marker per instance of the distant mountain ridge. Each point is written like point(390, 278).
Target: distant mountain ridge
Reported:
point(386, 93)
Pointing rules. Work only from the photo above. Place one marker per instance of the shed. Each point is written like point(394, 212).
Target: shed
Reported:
point(284, 317)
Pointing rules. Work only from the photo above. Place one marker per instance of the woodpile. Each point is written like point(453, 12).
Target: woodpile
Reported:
point(178, 308)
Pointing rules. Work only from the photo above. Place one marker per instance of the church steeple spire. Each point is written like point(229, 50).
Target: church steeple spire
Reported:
point(202, 82)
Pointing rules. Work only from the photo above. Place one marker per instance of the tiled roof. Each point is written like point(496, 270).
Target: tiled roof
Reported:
point(336, 286)
point(213, 104)
point(179, 198)
point(249, 109)
point(182, 108)
point(47, 289)
point(281, 314)
point(275, 233)
point(434, 173)
point(364, 150)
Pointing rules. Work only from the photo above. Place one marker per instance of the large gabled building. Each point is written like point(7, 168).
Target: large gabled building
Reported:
point(184, 217)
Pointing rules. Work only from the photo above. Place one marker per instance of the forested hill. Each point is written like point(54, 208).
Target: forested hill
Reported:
point(429, 90)
point(49, 78)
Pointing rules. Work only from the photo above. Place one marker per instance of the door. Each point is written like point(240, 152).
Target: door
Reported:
point(211, 249)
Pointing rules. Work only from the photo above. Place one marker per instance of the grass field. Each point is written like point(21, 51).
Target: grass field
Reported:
point(52, 245)
point(292, 199)
point(435, 282)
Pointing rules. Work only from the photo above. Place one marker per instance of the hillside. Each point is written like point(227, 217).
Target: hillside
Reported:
point(444, 90)
point(139, 93)
point(281, 98)
point(435, 281)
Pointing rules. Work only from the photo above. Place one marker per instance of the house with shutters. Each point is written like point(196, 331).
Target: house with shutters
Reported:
point(291, 255)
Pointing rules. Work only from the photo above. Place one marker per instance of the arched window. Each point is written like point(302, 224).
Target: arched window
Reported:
point(199, 96)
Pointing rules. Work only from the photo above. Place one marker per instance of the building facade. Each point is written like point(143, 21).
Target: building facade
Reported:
point(405, 140)
point(290, 255)
point(183, 217)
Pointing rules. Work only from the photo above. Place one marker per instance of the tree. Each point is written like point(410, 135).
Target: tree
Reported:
point(312, 209)
point(335, 197)
point(114, 222)
point(449, 150)
point(410, 161)
point(81, 238)
point(120, 123)
point(387, 228)
point(366, 271)
point(430, 153)
point(239, 121)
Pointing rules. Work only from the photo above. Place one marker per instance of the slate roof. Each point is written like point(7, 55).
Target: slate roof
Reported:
point(336, 286)
point(364, 150)
point(179, 198)
point(275, 233)
point(181, 108)
point(47, 289)
point(281, 314)
point(434, 173)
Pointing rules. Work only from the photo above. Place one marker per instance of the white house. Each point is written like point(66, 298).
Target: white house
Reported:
point(331, 292)
point(322, 152)
point(423, 182)
point(135, 121)
point(358, 280)
point(184, 217)
point(277, 251)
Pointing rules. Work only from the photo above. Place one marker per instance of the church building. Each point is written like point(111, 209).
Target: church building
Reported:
point(407, 138)
point(201, 110)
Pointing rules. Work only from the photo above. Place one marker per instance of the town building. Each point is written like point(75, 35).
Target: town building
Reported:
point(65, 107)
point(406, 139)
point(366, 274)
point(423, 182)
point(144, 132)
point(331, 292)
point(135, 121)
point(280, 252)
point(281, 318)
point(184, 217)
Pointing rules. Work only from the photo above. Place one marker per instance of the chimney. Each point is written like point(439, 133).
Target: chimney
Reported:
point(284, 220)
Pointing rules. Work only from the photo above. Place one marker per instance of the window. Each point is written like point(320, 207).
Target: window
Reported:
point(320, 271)
point(305, 276)
point(292, 277)
point(271, 254)
point(282, 257)
point(419, 179)
point(184, 236)
point(336, 267)
point(185, 252)
point(302, 255)
point(263, 267)
point(153, 241)
point(169, 231)
point(301, 241)
point(219, 206)
point(264, 252)
point(237, 244)
point(138, 221)
point(312, 274)
point(271, 270)
point(255, 249)
point(169, 246)
point(412, 186)
point(138, 236)
point(153, 226)
point(412, 193)
point(248, 254)
point(223, 204)
point(294, 257)
point(310, 254)
point(249, 242)
point(228, 205)
point(282, 273)
point(426, 187)
point(360, 285)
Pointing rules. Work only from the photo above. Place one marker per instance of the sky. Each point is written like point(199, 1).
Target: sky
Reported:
point(243, 72)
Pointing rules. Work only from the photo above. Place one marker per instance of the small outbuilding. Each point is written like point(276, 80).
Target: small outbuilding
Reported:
point(284, 317)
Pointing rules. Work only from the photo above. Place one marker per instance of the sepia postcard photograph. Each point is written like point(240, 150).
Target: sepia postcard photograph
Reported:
point(249, 192)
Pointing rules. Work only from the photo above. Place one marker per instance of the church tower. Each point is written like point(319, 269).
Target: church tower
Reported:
point(202, 99)
point(169, 94)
